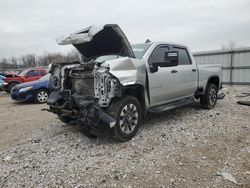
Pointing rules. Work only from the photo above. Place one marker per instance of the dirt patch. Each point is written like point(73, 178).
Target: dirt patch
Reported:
point(186, 147)
point(18, 120)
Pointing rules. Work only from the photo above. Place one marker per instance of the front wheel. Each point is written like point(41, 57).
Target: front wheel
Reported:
point(209, 99)
point(127, 112)
point(41, 96)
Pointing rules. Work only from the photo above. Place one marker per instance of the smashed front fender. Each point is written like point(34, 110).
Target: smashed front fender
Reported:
point(128, 70)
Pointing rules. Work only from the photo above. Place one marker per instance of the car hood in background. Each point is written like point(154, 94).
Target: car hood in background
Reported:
point(33, 83)
point(95, 41)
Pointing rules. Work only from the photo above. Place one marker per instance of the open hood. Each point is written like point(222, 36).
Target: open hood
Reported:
point(99, 40)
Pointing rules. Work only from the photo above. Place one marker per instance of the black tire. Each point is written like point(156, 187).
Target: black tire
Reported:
point(7, 91)
point(41, 96)
point(86, 132)
point(209, 99)
point(128, 115)
point(69, 121)
point(65, 119)
point(10, 87)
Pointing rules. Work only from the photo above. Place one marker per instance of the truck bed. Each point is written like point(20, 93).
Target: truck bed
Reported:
point(208, 70)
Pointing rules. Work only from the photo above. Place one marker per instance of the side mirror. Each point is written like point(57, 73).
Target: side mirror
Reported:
point(170, 60)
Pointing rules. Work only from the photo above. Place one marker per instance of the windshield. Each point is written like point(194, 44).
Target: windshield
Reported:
point(23, 73)
point(44, 78)
point(105, 58)
point(140, 49)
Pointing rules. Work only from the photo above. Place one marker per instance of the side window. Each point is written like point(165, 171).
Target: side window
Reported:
point(42, 72)
point(183, 56)
point(33, 73)
point(158, 55)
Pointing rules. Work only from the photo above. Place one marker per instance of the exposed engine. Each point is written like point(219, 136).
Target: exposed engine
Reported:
point(80, 91)
point(86, 80)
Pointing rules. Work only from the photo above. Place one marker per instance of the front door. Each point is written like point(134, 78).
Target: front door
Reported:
point(162, 82)
point(170, 83)
point(32, 75)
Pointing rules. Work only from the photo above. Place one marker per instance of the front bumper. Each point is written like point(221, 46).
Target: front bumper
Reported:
point(22, 96)
point(84, 110)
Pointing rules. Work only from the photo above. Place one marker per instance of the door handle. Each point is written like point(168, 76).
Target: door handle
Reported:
point(174, 71)
point(194, 70)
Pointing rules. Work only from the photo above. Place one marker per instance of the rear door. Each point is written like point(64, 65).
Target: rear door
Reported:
point(187, 73)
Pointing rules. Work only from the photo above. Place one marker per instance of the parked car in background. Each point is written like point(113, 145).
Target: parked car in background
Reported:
point(24, 76)
point(2, 77)
point(35, 91)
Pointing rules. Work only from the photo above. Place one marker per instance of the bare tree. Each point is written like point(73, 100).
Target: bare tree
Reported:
point(14, 62)
point(3, 64)
point(31, 60)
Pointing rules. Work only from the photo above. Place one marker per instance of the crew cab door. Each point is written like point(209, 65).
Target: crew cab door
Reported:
point(173, 81)
point(187, 74)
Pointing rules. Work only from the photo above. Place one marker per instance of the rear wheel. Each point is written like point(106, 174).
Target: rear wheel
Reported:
point(41, 96)
point(127, 112)
point(209, 99)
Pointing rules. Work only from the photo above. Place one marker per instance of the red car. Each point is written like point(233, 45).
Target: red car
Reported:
point(25, 76)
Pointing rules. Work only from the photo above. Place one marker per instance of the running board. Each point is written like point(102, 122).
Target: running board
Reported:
point(173, 105)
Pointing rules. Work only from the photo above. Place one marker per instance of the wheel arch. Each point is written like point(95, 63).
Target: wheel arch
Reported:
point(213, 80)
point(14, 82)
point(137, 91)
point(42, 88)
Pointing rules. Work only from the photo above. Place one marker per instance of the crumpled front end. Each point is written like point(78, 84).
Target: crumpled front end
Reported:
point(81, 92)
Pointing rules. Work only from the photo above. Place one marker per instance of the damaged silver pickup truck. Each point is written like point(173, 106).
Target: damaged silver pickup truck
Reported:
point(115, 86)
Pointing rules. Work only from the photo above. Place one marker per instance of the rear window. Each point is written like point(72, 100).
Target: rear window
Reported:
point(183, 56)
point(42, 72)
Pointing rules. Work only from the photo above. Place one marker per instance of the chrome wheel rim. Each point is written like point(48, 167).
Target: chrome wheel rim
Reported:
point(212, 96)
point(128, 118)
point(42, 96)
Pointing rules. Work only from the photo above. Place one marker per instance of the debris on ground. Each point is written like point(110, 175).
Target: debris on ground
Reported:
point(244, 94)
point(247, 103)
point(228, 177)
point(221, 96)
point(180, 148)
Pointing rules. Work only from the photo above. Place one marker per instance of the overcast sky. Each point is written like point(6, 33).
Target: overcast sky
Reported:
point(31, 26)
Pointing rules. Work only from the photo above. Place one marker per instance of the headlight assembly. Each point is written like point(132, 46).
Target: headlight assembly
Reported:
point(26, 89)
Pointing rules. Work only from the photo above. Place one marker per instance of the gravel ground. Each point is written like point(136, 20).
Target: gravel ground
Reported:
point(187, 147)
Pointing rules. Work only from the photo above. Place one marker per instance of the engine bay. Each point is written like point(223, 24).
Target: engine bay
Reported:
point(85, 79)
